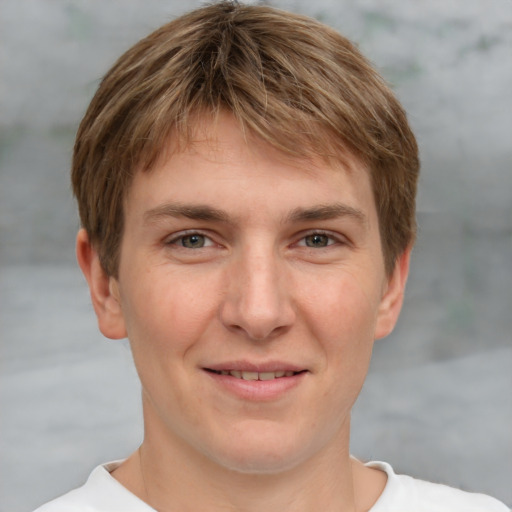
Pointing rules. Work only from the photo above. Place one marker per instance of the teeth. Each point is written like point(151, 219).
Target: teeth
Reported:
point(257, 376)
point(250, 375)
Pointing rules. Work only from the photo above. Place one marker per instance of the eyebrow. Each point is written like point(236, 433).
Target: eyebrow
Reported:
point(208, 213)
point(327, 212)
point(195, 212)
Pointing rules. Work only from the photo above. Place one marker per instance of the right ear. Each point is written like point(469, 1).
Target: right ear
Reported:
point(104, 289)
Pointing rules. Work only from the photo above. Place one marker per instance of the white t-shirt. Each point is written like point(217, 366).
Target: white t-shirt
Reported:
point(103, 493)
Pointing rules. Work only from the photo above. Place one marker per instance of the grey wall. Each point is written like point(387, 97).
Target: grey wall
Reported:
point(438, 402)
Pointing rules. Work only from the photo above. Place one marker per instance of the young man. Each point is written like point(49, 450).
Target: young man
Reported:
point(246, 185)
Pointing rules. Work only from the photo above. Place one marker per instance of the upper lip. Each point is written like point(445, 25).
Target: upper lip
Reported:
point(247, 366)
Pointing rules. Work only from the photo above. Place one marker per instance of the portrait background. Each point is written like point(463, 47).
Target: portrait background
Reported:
point(438, 401)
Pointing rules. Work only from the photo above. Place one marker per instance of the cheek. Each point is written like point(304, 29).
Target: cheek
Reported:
point(166, 312)
point(342, 310)
point(342, 319)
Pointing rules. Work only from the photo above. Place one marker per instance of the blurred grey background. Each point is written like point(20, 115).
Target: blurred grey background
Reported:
point(438, 401)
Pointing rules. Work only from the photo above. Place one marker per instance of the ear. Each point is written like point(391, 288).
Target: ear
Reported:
point(104, 289)
point(393, 296)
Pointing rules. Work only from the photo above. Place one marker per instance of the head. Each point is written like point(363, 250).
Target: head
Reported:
point(287, 80)
point(246, 182)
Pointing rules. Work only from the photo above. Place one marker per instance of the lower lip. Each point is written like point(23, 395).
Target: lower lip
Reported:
point(257, 390)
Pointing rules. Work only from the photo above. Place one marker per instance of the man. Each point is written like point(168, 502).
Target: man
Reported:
point(246, 185)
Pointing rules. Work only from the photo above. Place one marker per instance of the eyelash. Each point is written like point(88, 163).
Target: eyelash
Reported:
point(188, 234)
point(331, 239)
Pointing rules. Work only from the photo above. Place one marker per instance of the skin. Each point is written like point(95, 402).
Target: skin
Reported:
point(234, 254)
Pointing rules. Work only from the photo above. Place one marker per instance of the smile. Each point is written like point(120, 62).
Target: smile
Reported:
point(245, 375)
point(252, 382)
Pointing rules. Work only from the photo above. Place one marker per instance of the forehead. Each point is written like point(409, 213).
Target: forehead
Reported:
point(218, 132)
point(219, 153)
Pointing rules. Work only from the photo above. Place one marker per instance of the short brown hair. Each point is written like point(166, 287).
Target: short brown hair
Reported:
point(288, 79)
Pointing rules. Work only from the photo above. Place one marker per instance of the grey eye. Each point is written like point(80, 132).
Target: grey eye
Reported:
point(193, 241)
point(317, 240)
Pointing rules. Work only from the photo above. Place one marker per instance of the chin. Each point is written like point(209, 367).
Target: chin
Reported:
point(261, 453)
point(260, 463)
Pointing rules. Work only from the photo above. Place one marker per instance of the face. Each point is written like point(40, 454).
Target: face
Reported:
point(251, 287)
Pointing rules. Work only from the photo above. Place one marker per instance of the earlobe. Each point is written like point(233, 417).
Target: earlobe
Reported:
point(392, 299)
point(103, 288)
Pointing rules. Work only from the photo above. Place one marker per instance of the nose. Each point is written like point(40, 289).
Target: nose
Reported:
point(258, 301)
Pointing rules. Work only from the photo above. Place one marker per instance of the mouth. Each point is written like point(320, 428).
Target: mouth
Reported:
point(256, 382)
point(250, 375)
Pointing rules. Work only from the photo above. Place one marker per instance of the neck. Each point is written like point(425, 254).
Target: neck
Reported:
point(171, 476)
point(170, 487)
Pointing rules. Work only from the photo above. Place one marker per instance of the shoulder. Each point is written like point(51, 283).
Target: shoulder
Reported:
point(101, 493)
point(406, 494)
point(77, 500)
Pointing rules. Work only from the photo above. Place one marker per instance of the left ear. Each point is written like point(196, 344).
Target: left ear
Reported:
point(393, 296)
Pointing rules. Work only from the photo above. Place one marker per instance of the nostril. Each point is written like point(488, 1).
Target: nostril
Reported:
point(257, 306)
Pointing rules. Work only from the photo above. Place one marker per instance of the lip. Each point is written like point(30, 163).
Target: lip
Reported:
point(256, 390)
point(249, 366)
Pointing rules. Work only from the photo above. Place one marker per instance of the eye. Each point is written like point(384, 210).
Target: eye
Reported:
point(317, 240)
point(192, 241)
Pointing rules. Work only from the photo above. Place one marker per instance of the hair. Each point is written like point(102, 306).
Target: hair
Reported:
point(288, 79)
